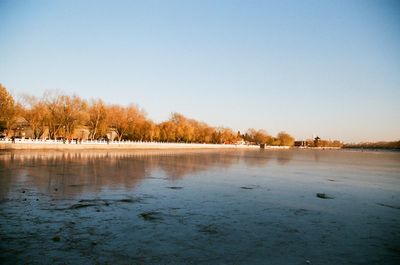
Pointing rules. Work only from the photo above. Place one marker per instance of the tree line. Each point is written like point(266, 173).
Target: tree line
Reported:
point(375, 145)
point(56, 115)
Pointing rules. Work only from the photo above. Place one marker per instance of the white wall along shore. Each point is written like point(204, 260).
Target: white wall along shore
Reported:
point(102, 144)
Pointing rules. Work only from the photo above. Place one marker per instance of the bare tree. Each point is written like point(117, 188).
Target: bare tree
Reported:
point(97, 120)
point(73, 113)
point(53, 119)
point(35, 113)
point(285, 139)
point(258, 136)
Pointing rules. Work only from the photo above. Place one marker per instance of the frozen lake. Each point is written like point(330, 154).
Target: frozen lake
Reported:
point(200, 207)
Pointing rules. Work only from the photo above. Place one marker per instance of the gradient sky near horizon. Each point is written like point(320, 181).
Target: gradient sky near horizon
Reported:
point(330, 68)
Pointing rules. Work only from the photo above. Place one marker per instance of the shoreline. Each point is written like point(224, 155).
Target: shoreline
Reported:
point(129, 145)
point(120, 146)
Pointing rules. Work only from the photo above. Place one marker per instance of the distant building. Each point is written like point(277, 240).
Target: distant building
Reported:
point(241, 142)
point(21, 128)
point(300, 143)
point(316, 141)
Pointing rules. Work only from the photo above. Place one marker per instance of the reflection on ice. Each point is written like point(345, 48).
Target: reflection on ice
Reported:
point(78, 172)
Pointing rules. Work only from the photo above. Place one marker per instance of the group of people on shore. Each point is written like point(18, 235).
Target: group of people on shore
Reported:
point(78, 140)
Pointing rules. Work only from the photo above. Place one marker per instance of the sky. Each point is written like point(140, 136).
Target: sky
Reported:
point(327, 68)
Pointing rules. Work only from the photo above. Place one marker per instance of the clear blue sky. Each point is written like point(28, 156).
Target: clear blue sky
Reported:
point(326, 67)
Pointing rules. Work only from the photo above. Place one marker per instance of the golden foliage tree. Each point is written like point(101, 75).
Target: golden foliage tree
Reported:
point(224, 135)
point(124, 119)
point(167, 131)
point(8, 109)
